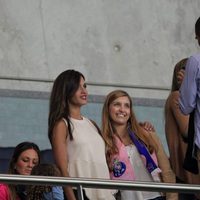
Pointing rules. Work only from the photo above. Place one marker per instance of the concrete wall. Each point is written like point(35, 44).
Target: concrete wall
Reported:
point(135, 42)
point(24, 116)
point(131, 43)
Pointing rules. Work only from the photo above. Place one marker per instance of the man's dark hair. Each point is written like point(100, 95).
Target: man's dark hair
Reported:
point(197, 27)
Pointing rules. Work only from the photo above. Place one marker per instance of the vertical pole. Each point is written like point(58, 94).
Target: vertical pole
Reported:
point(80, 192)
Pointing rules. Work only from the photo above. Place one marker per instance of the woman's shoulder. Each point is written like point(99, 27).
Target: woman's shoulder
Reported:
point(154, 137)
point(86, 119)
point(4, 193)
point(173, 95)
point(60, 128)
point(92, 122)
point(172, 100)
point(3, 186)
point(62, 123)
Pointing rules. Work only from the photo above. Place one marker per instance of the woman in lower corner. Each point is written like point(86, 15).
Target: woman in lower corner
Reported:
point(26, 155)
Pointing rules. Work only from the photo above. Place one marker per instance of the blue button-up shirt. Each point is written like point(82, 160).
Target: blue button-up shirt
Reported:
point(55, 194)
point(190, 93)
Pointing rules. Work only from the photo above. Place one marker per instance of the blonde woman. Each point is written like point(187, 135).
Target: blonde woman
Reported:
point(133, 153)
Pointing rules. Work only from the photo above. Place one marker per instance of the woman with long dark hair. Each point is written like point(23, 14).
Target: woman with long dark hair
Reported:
point(78, 147)
point(26, 155)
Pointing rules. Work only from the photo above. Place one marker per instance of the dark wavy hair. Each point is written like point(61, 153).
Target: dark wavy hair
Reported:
point(197, 27)
point(64, 88)
point(36, 192)
point(19, 149)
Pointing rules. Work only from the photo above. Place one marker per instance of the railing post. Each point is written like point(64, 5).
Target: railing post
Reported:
point(80, 192)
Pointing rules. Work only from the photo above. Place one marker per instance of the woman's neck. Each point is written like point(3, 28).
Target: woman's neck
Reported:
point(75, 113)
point(121, 130)
point(123, 134)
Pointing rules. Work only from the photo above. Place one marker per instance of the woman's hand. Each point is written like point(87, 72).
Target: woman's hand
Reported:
point(147, 126)
point(180, 76)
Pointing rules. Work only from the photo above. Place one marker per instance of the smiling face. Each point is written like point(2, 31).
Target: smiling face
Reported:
point(120, 110)
point(80, 96)
point(26, 161)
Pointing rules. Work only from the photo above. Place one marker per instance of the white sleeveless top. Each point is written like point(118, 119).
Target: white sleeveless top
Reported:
point(141, 174)
point(86, 154)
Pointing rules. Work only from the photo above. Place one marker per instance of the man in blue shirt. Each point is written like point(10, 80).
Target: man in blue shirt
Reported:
point(190, 91)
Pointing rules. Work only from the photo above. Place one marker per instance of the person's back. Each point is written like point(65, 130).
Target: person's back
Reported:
point(176, 141)
point(176, 145)
point(190, 94)
point(176, 128)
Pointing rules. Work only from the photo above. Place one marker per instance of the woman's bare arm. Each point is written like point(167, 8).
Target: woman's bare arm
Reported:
point(59, 147)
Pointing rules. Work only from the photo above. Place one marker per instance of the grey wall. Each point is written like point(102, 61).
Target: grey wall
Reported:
point(24, 116)
point(134, 42)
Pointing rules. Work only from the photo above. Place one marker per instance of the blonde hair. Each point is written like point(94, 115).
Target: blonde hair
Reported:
point(108, 131)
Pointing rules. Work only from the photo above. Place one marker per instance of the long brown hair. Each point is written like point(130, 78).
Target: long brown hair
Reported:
point(64, 87)
point(108, 130)
point(175, 84)
point(180, 65)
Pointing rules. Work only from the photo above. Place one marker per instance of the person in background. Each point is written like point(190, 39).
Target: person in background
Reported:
point(133, 153)
point(26, 155)
point(176, 129)
point(75, 138)
point(43, 192)
point(189, 100)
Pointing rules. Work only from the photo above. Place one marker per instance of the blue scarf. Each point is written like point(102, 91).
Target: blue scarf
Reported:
point(150, 164)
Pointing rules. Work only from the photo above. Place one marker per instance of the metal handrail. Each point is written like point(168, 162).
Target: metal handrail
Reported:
point(98, 84)
point(81, 183)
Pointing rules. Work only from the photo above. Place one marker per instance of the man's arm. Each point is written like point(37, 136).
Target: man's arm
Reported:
point(188, 90)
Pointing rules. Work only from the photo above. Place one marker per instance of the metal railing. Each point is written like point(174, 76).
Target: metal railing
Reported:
point(81, 183)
